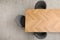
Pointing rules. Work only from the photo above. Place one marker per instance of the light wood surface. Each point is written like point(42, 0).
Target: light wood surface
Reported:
point(42, 20)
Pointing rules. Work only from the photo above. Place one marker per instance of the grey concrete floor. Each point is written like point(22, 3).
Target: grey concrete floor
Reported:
point(10, 9)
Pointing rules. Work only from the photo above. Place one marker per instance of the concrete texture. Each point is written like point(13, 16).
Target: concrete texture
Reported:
point(53, 4)
point(10, 9)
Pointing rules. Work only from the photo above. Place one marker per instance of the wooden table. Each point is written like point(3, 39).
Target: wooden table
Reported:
point(42, 20)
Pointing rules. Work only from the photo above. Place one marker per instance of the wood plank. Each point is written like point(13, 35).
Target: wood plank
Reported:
point(42, 20)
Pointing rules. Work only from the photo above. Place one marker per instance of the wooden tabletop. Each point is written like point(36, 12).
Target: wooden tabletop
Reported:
point(42, 20)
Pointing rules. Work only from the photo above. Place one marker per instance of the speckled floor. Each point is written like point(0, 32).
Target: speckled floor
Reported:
point(10, 9)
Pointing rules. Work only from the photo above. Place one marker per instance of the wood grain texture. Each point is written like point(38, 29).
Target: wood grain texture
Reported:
point(42, 20)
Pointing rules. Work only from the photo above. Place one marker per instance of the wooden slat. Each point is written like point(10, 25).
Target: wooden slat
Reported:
point(42, 20)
